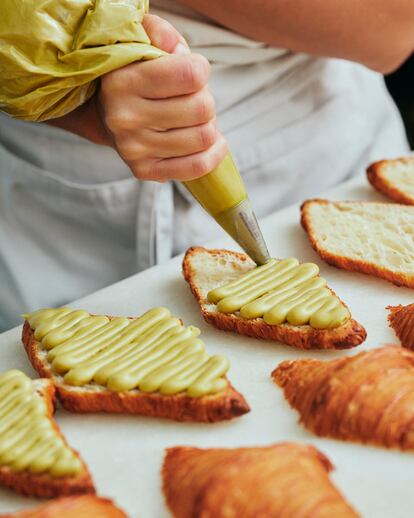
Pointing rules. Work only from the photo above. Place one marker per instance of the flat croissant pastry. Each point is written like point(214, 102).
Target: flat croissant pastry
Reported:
point(84, 506)
point(401, 319)
point(367, 398)
point(284, 480)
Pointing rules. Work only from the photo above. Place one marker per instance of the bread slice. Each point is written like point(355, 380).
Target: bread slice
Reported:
point(394, 178)
point(368, 237)
point(84, 506)
point(285, 479)
point(367, 398)
point(206, 269)
point(92, 397)
point(44, 485)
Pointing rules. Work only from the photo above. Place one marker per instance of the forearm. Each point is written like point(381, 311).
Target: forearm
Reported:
point(376, 33)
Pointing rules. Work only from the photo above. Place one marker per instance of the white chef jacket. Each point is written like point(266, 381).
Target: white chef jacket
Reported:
point(73, 219)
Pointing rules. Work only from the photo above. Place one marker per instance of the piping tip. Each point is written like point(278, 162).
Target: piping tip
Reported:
point(241, 224)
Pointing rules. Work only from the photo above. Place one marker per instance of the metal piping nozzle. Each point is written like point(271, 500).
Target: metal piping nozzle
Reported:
point(241, 224)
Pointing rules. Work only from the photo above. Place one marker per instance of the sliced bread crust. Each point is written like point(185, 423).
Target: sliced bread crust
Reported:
point(386, 176)
point(94, 398)
point(44, 485)
point(83, 506)
point(363, 265)
point(226, 265)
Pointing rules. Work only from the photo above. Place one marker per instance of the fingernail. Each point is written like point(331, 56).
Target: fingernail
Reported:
point(181, 48)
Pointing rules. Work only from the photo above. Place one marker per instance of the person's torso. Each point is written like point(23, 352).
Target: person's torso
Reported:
point(73, 219)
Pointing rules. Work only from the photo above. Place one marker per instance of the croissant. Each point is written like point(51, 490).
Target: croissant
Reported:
point(401, 319)
point(284, 480)
point(367, 398)
point(84, 506)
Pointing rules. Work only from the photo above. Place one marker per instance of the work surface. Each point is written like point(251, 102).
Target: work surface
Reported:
point(125, 453)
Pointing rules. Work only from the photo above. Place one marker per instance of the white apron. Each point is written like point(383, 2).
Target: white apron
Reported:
point(73, 220)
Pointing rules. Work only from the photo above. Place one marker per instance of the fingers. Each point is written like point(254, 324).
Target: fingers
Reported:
point(182, 168)
point(173, 76)
point(161, 33)
point(172, 143)
point(179, 112)
point(163, 78)
point(160, 114)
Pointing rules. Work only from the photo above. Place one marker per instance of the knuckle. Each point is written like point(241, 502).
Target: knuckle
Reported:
point(201, 68)
point(199, 166)
point(123, 81)
point(141, 169)
point(150, 170)
point(186, 71)
point(113, 82)
point(119, 121)
point(130, 150)
point(205, 107)
point(207, 135)
point(194, 72)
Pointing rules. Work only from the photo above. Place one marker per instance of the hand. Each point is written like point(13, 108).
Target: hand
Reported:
point(160, 114)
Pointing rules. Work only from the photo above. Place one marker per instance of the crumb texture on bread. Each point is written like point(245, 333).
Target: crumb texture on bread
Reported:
point(36, 459)
point(82, 506)
point(401, 320)
point(394, 178)
point(368, 237)
point(93, 397)
point(281, 480)
point(205, 270)
point(367, 398)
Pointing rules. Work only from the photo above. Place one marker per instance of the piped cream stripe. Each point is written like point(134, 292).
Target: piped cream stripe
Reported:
point(154, 352)
point(282, 291)
point(28, 439)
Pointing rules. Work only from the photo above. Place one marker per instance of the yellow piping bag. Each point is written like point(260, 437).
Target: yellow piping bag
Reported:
point(51, 56)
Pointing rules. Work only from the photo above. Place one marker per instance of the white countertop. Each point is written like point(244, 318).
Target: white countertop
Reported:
point(125, 453)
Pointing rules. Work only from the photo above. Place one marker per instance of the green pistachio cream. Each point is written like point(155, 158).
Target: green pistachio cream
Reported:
point(152, 353)
point(282, 292)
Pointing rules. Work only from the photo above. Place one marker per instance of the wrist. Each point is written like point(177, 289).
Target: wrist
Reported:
point(86, 122)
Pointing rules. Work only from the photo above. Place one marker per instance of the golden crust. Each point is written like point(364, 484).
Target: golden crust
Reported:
point(401, 320)
point(212, 408)
point(377, 178)
point(367, 398)
point(345, 263)
point(284, 479)
point(348, 335)
point(84, 506)
point(44, 485)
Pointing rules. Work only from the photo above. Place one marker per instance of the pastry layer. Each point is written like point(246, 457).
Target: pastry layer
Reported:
point(401, 319)
point(84, 506)
point(368, 397)
point(283, 480)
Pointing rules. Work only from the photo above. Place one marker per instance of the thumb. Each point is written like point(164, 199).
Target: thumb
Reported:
point(163, 35)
